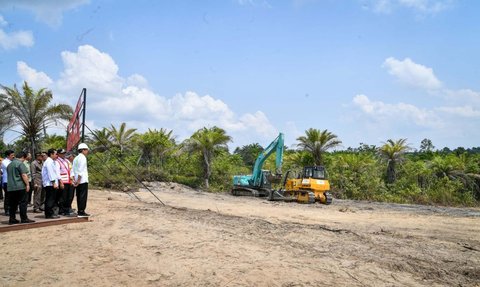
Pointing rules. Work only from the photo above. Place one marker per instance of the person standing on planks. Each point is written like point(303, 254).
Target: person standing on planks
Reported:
point(38, 191)
point(51, 183)
point(18, 188)
point(80, 173)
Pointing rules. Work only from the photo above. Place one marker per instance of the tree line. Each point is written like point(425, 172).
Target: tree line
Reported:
point(393, 171)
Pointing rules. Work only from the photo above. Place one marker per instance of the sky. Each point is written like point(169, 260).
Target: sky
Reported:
point(366, 70)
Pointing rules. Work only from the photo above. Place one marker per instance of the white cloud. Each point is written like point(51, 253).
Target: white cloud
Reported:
point(137, 80)
point(114, 99)
point(464, 111)
point(463, 96)
point(184, 113)
point(191, 106)
point(32, 77)
point(412, 74)
point(261, 3)
point(421, 7)
point(3, 23)
point(382, 6)
point(396, 113)
point(47, 11)
point(89, 68)
point(133, 102)
point(14, 39)
point(454, 119)
point(426, 6)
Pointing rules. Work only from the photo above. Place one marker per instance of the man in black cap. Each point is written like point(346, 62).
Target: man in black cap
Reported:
point(18, 187)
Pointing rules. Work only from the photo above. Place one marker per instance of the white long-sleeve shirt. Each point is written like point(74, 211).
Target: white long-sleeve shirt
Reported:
point(57, 168)
point(5, 163)
point(50, 174)
point(80, 168)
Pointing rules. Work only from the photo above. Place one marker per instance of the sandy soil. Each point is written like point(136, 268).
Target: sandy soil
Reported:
point(202, 239)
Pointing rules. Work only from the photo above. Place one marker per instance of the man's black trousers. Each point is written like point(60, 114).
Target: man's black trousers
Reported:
point(18, 198)
point(82, 194)
point(50, 200)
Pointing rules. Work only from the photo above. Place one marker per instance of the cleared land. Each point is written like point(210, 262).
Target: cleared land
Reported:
point(202, 239)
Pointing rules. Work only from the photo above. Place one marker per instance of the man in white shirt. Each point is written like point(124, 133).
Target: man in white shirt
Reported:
point(9, 156)
point(50, 178)
point(80, 182)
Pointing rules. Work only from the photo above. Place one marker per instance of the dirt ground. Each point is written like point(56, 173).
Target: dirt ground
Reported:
point(203, 239)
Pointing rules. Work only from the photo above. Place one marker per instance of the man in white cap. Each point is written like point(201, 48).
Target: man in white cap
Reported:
point(80, 181)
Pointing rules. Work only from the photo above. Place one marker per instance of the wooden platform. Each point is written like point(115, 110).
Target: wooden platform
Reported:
point(40, 221)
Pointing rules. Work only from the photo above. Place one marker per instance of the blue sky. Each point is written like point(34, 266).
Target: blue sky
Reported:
point(367, 70)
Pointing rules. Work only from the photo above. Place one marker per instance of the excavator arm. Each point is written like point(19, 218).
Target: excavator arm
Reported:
point(258, 183)
point(275, 146)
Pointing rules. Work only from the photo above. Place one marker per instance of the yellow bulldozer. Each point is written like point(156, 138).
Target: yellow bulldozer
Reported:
point(310, 186)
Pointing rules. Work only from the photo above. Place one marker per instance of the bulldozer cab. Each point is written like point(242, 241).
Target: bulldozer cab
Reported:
point(317, 172)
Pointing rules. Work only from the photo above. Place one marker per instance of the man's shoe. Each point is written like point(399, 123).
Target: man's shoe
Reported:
point(13, 221)
point(52, 217)
point(28, 221)
point(83, 214)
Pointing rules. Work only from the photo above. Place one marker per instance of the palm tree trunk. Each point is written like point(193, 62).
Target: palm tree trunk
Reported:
point(44, 130)
point(208, 172)
point(391, 176)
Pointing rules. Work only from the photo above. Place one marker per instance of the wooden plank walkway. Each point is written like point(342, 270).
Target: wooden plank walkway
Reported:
point(40, 221)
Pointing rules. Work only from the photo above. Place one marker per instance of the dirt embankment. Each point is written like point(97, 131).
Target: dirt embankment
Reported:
point(202, 239)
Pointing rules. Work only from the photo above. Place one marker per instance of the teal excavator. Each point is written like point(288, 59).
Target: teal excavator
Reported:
point(259, 183)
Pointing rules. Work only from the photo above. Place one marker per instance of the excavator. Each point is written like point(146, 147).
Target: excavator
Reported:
point(259, 183)
point(309, 186)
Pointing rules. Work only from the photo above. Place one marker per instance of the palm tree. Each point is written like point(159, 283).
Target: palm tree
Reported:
point(121, 137)
point(53, 141)
point(5, 116)
point(455, 168)
point(155, 144)
point(316, 142)
point(393, 152)
point(32, 110)
point(100, 139)
point(207, 142)
point(249, 153)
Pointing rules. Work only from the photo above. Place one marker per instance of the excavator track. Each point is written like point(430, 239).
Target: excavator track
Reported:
point(245, 191)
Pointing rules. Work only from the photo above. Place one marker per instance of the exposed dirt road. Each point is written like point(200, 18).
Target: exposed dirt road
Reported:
point(203, 239)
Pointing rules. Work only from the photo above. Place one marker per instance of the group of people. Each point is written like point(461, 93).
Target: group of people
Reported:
point(53, 177)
